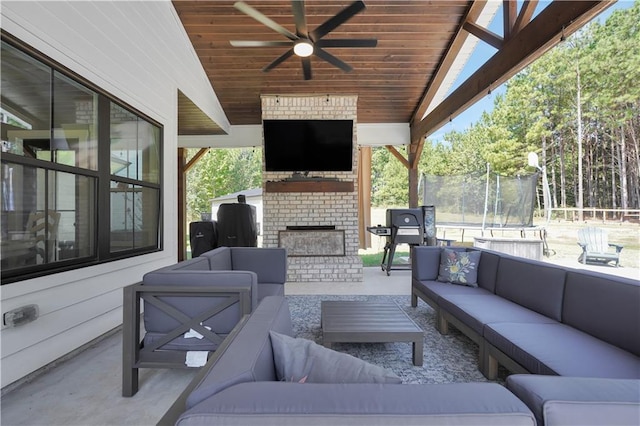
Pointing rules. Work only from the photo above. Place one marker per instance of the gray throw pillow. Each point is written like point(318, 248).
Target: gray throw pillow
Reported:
point(459, 267)
point(304, 361)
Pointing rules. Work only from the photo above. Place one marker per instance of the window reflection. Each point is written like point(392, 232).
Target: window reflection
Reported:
point(47, 216)
point(25, 108)
point(51, 171)
point(134, 216)
point(135, 145)
point(75, 120)
point(26, 113)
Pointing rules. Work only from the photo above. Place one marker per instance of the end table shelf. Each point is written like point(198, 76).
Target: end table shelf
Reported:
point(309, 186)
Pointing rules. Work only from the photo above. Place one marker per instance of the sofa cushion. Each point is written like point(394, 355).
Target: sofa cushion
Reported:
point(281, 403)
point(477, 310)
point(535, 285)
point(459, 267)
point(301, 360)
point(435, 290)
point(488, 269)
point(558, 349)
point(270, 264)
point(195, 264)
point(604, 306)
point(425, 262)
point(219, 259)
point(557, 400)
point(268, 289)
point(249, 356)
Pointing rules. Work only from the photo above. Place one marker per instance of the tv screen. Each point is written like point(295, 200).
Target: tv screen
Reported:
point(308, 145)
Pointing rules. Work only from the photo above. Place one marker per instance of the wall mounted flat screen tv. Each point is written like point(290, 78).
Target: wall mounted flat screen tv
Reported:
point(308, 145)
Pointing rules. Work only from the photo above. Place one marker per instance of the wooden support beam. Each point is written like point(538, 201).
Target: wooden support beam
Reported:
point(533, 41)
point(509, 14)
point(392, 149)
point(418, 153)
point(195, 158)
point(484, 34)
point(525, 15)
point(454, 49)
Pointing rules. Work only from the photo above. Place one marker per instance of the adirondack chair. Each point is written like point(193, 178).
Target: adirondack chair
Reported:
point(596, 247)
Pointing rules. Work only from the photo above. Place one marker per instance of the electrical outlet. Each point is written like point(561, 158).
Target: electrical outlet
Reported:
point(20, 316)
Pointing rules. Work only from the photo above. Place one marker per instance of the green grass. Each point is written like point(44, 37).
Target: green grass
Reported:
point(375, 258)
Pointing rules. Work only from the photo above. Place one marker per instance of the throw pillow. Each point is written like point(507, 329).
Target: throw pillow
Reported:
point(304, 361)
point(459, 267)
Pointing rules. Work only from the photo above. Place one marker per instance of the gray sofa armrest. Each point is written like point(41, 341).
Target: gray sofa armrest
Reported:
point(205, 279)
point(270, 264)
point(562, 400)
point(134, 356)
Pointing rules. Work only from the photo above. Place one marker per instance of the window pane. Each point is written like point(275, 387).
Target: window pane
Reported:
point(25, 113)
point(135, 146)
point(75, 122)
point(134, 216)
point(47, 216)
point(124, 141)
point(149, 151)
point(147, 231)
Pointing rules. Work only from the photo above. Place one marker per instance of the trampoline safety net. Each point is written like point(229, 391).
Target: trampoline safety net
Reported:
point(487, 200)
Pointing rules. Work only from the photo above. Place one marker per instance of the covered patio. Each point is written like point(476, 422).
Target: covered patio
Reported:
point(173, 63)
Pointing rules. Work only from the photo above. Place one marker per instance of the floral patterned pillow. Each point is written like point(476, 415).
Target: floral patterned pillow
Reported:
point(459, 267)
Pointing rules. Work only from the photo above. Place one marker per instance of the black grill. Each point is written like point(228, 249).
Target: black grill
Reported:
point(237, 225)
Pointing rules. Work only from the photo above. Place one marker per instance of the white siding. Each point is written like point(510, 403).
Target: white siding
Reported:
point(140, 53)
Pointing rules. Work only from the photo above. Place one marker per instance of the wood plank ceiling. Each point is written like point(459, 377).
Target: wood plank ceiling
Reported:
point(389, 79)
point(395, 81)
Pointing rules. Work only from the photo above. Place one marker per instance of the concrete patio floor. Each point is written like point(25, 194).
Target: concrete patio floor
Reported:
point(85, 390)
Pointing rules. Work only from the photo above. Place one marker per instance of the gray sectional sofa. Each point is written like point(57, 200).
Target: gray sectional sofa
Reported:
point(534, 317)
point(239, 387)
point(577, 331)
point(194, 304)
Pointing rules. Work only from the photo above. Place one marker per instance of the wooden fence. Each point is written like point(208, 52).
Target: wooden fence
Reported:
point(604, 215)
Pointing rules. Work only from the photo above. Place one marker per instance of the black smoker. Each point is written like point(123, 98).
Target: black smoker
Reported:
point(407, 226)
point(237, 224)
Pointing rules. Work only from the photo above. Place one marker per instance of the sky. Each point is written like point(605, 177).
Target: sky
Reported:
point(480, 55)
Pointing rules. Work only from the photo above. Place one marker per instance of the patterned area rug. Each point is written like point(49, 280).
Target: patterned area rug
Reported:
point(447, 359)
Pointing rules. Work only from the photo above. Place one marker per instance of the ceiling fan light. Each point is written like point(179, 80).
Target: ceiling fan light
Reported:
point(303, 49)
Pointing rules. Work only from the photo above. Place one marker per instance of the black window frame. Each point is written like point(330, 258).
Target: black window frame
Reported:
point(103, 176)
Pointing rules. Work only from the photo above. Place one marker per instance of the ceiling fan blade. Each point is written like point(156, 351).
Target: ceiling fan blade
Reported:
point(299, 18)
point(332, 23)
point(347, 42)
point(280, 59)
point(331, 59)
point(250, 11)
point(306, 68)
point(248, 43)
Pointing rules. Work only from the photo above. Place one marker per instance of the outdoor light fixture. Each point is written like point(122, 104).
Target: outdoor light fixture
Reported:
point(303, 48)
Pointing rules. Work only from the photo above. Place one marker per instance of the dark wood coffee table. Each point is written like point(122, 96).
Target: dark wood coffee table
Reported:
point(369, 322)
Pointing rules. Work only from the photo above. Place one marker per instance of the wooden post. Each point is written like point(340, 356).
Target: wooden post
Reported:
point(364, 196)
point(415, 151)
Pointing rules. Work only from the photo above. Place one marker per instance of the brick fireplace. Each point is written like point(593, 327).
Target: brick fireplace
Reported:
point(307, 212)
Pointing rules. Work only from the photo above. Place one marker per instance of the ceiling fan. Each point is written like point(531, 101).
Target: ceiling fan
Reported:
point(305, 43)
